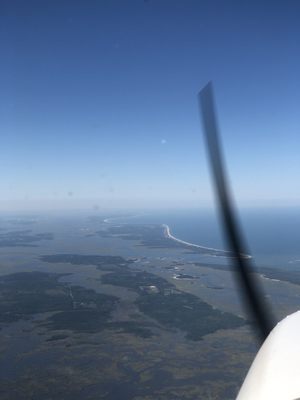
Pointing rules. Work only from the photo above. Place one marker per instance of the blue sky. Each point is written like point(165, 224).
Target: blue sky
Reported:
point(98, 102)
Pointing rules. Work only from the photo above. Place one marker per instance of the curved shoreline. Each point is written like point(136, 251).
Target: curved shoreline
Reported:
point(167, 234)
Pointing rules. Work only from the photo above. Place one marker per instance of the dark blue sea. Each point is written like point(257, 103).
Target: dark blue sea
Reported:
point(272, 234)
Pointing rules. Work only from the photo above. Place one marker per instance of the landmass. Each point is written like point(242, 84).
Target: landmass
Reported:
point(111, 321)
point(157, 298)
point(157, 236)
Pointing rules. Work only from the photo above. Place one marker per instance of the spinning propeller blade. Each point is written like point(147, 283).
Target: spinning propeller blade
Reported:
point(250, 288)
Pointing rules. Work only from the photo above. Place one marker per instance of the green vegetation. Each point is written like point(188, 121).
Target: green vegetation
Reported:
point(27, 293)
point(82, 319)
point(105, 263)
point(76, 308)
point(138, 368)
point(171, 307)
point(188, 313)
point(157, 299)
point(135, 280)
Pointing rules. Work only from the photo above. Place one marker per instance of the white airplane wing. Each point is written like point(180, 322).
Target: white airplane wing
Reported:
point(275, 372)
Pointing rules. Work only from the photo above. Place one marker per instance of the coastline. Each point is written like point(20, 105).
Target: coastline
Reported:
point(212, 252)
point(167, 234)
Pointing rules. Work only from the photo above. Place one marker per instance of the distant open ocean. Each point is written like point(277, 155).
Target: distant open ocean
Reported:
point(272, 235)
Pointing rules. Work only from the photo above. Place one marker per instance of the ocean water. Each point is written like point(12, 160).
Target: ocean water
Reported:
point(272, 235)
